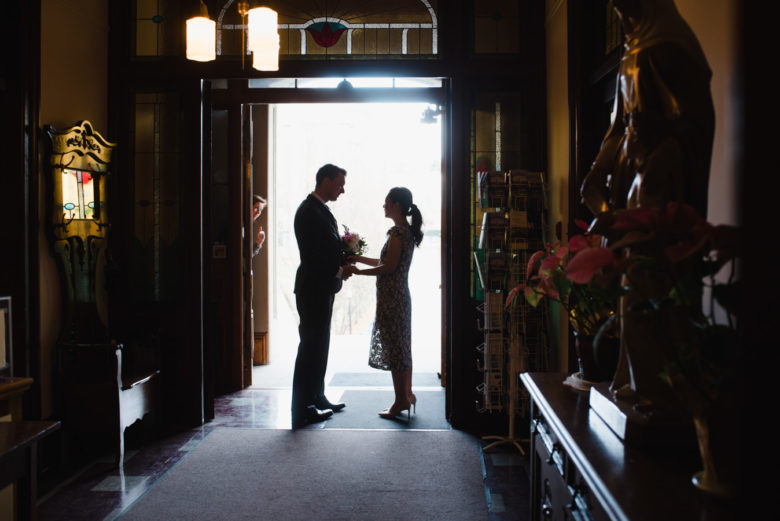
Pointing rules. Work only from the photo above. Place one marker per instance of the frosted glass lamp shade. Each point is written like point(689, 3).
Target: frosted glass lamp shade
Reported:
point(262, 22)
point(266, 57)
point(263, 39)
point(201, 39)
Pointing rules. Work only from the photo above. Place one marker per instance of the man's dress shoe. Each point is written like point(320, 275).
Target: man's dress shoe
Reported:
point(310, 415)
point(325, 404)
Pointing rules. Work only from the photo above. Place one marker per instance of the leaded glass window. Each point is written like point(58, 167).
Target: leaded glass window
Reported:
point(496, 26)
point(78, 194)
point(156, 227)
point(342, 28)
point(155, 30)
point(314, 29)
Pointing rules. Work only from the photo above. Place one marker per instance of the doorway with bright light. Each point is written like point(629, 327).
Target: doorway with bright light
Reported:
point(381, 145)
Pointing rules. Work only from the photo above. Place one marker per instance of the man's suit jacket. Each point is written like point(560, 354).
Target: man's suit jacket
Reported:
point(319, 245)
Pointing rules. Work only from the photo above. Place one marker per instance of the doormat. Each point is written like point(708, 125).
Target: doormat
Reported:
point(362, 412)
point(381, 379)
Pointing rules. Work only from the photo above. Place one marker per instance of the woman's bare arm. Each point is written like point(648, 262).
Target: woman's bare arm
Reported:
point(363, 260)
point(390, 261)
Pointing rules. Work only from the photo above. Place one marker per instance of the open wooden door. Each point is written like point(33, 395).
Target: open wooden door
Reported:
point(228, 239)
point(247, 345)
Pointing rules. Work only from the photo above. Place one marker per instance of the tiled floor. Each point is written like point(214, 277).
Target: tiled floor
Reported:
point(101, 492)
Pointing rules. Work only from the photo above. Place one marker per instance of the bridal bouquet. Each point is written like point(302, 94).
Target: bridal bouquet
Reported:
point(352, 243)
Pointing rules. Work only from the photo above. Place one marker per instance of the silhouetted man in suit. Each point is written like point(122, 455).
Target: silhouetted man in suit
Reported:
point(317, 280)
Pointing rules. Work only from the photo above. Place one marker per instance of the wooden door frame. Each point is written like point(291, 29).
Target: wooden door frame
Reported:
point(236, 98)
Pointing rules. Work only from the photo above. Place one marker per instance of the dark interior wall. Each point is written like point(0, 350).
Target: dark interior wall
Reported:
point(19, 96)
point(73, 73)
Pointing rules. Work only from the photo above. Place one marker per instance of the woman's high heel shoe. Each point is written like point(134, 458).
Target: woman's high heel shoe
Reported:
point(413, 402)
point(391, 413)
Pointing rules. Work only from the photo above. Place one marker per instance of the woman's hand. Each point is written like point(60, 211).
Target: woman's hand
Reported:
point(352, 259)
point(389, 261)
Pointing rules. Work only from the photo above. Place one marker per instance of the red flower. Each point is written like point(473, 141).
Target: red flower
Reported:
point(549, 263)
point(532, 263)
point(546, 287)
point(635, 219)
point(578, 242)
point(511, 296)
point(581, 224)
point(586, 263)
point(682, 217)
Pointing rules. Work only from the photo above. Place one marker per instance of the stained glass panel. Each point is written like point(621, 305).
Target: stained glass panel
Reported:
point(155, 28)
point(78, 194)
point(496, 26)
point(313, 28)
point(156, 227)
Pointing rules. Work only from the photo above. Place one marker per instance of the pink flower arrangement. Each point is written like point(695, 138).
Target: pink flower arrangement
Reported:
point(352, 243)
point(582, 276)
point(588, 278)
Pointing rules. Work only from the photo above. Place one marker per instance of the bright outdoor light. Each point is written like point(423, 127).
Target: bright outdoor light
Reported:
point(263, 39)
point(201, 39)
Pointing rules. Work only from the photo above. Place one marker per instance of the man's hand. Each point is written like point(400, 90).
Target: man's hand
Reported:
point(260, 236)
point(347, 271)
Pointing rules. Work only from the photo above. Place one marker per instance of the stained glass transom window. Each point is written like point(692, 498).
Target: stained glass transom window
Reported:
point(347, 27)
point(314, 29)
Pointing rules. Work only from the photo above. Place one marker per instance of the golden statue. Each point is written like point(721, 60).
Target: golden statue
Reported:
point(657, 150)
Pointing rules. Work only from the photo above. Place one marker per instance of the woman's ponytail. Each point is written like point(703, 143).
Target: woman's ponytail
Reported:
point(403, 196)
point(416, 225)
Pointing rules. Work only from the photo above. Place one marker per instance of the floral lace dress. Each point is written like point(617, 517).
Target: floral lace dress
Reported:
point(391, 336)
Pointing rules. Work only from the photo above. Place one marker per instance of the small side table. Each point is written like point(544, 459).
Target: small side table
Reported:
point(18, 461)
point(11, 393)
point(11, 390)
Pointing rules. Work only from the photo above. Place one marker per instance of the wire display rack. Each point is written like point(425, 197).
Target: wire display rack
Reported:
point(515, 337)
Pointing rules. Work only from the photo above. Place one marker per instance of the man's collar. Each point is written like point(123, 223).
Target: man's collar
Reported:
point(320, 199)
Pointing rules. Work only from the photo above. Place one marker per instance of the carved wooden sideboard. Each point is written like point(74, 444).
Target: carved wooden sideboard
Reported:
point(581, 471)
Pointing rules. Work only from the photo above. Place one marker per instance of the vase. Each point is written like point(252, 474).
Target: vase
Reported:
point(596, 360)
point(716, 433)
point(583, 345)
point(605, 355)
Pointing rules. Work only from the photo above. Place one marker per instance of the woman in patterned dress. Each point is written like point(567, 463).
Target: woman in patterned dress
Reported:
point(391, 336)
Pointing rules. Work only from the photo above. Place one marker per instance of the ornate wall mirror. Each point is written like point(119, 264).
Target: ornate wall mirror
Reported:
point(80, 160)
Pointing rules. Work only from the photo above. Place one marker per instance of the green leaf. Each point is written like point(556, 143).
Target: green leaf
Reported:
point(532, 297)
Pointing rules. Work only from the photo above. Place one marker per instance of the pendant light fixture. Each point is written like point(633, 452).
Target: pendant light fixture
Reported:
point(263, 39)
point(201, 36)
point(262, 36)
